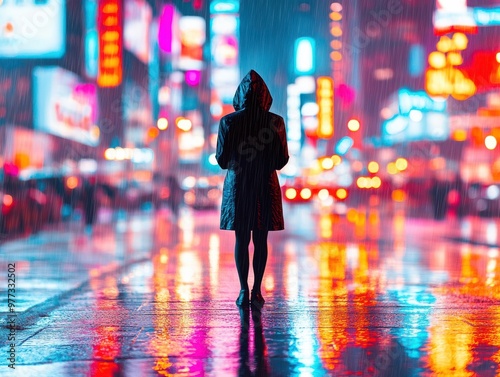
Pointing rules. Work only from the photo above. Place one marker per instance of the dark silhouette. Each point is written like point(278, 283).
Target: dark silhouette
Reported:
point(439, 194)
point(251, 145)
point(175, 198)
point(89, 199)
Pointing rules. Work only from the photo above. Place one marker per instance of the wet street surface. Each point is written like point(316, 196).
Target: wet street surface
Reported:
point(365, 293)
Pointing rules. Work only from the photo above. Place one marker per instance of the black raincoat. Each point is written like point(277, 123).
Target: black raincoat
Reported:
point(252, 145)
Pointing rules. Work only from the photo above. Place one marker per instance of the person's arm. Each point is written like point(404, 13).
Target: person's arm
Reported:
point(282, 156)
point(222, 153)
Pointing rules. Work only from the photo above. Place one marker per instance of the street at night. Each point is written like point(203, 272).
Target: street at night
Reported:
point(261, 188)
point(374, 296)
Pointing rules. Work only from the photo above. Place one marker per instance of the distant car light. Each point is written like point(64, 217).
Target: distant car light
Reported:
point(323, 194)
point(291, 193)
point(305, 193)
point(341, 193)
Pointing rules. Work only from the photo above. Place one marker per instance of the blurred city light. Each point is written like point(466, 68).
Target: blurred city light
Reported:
point(291, 193)
point(304, 56)
point(344, 145)
point(353, 125)
point(305, 193)
point(323, 194)
point(183, 124)
point(490, 142)
point(72, 182)
point(327, 163)
point(325, 101)
point(336, 7)
point(373, 167)
point(189, 182)
point(401, 164)
point(110, 154)
point(398, 195)
point(110, 29)
point(305, 84)
point(341, 193)
point(7, 200)
point(336, 159)
point(193, 77)
point(165, 30)
point(212, 159)
point(391, 168)
point(162, 124)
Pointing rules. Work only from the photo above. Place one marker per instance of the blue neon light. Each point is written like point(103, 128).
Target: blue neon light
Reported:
point(487, 16)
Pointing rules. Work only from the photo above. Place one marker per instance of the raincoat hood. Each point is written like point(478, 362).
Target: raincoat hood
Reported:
point(252, 90)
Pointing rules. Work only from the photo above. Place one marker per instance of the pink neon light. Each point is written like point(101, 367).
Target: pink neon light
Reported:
point(165, 28)
point(193, 77)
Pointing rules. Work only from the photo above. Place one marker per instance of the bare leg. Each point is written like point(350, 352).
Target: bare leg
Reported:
point(241, 257)
point(259, 257)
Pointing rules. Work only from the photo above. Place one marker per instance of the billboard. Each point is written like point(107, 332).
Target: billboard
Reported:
point(64, 106)
point(32, 29)
point(224, 49)
point(137, 22)
point(193, 36)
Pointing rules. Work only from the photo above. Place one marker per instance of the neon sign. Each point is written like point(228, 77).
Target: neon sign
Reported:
point(110, 43)
point(324, 97)
point(487, 16)
point(304, 56)
point(419, 100)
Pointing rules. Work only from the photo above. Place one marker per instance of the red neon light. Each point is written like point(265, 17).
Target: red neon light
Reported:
point(109, 22)
point(455, 29)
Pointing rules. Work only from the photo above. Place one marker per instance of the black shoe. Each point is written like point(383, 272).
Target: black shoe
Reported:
point(257, 300)
point(242, 299)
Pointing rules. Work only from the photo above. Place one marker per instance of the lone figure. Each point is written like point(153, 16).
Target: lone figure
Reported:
point(251, 145)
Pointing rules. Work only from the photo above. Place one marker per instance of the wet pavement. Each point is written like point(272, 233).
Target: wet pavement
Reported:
point(366, 293)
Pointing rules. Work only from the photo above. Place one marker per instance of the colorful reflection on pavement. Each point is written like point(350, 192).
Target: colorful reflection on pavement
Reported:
point(366, 294)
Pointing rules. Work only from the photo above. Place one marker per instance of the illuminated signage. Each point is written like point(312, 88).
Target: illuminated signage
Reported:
point(91, 39)
point(453, 16)
point(305, 56)
point(193, 36)
point(336, 40)
point(224, 49)
point(64, 106)
point(224, 6)
point(294, 131)
point(487, 16)
point(420, 101)
point(324, 98)
point(137, 22)
point(110, 43)
point(32, 29)
point(451, 5)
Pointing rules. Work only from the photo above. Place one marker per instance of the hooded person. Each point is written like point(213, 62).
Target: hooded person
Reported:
point(251, 145)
